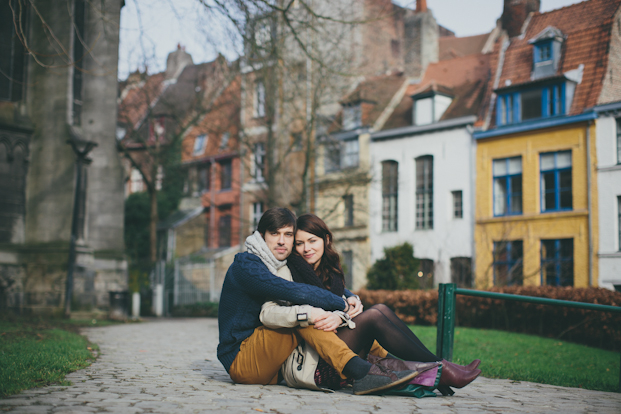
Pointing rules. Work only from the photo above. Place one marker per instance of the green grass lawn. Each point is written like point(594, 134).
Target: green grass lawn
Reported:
point(36, 352)
point(521, 357)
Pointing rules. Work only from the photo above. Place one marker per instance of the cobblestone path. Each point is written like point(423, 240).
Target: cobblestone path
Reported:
point(170, 366)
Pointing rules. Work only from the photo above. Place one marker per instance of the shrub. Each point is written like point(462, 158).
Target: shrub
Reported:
point(594, 328)
point(199, 309)
point(396, 271)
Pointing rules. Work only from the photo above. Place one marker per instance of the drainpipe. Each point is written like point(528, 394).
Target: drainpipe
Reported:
point(472, 195)
point(589, 196)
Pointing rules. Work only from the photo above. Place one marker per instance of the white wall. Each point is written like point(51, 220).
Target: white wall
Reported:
point(609, 188)
point(452, 152)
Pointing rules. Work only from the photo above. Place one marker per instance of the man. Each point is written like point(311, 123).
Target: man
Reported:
point(253, 354)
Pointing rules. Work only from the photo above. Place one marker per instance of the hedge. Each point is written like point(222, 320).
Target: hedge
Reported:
point(594, 328)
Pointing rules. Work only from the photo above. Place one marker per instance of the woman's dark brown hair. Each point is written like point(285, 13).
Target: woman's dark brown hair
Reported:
point(329, 269)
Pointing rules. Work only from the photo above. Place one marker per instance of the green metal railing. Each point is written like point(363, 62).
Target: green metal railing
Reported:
point(447, 293)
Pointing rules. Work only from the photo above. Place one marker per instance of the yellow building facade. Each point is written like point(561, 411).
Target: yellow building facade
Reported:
point(536, 229)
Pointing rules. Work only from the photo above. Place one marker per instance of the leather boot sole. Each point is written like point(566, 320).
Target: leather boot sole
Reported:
point(389, 385)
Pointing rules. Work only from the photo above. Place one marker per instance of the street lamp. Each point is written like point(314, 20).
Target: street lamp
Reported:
point(81, 148)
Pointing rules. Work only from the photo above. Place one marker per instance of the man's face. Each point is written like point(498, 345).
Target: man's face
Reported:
point(280, 242)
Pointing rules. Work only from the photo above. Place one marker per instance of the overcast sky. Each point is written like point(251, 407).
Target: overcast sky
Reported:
point(150, 29)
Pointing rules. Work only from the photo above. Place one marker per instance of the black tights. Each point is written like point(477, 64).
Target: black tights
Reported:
point(380, 323)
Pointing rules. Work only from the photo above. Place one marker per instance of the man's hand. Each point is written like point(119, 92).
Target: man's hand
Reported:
point(327, 321)
point(355, 308)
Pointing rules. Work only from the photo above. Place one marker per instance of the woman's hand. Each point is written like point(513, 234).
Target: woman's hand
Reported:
point(355, 308)
point(328, 321)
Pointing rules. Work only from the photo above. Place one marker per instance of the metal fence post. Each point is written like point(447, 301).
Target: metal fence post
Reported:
point(446, 320)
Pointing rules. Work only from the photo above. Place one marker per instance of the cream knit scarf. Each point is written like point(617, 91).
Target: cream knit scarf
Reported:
point(257, 246)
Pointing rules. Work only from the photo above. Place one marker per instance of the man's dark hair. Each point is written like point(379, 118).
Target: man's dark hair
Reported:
point(276, 218)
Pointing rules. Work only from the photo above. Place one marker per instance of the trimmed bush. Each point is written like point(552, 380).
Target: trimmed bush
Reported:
point(594, 328)
point(396, 270)
point(199, 309)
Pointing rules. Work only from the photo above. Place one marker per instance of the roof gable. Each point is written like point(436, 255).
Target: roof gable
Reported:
point(586, 29)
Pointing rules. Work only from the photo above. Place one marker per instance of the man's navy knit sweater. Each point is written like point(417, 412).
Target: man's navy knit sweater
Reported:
point(247, 285)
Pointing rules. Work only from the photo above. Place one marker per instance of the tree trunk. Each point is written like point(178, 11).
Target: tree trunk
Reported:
point(153, 225)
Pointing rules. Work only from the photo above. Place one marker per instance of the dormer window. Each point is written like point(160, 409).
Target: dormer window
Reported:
point(546, 52)
point(352, 117)
point(429, 107)
point(543, 52)
point(534, 102)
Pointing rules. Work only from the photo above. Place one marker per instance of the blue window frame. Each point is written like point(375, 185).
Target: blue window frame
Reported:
point(557, 262)
point(543, 51)
point(508, 263)
point(530, 103)
point(507, 175)
point(556, 181)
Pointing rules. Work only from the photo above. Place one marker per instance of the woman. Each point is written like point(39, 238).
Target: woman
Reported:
point(379, 324)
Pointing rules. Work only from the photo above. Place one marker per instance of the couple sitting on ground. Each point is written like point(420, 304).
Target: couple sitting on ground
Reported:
point(278, 309)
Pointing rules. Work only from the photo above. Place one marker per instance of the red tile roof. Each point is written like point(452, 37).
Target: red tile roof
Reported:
point(465, 79)
point(587, 30)
point(374, 95)
point(452, 47)
point(223, 117)
point(138, 97)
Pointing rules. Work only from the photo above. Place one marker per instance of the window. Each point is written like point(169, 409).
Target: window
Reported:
point(350, 153)
point(505, 109)
point(507, 174)
point(556, 191)
point(429, 109)
point(424, 192)
point(332, 156)
point(79, 18)
point(199, 145)
point(461, 271)
point(619, 220)
point(530, 104)
point(224, 140)
point(557, 262)
point(258, 164)
point(204, 178)
point(348, 211)
point(352, 117)
point(458, 208)
point(348, 268)
point(543, 52)
point(552, 101)
point(259, 100)
point(546, 52)
point(508, 263)
point(390, 193)
point(619, 141)
point(224, 231)
point(12, 55)
point(135, 181)
point(225, 175)
point(423, 111)
point(256, 213)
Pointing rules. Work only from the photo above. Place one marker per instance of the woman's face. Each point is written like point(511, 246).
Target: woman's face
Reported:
point(310, 247)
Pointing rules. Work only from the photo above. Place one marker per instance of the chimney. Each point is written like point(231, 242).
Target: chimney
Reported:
point(421, 45)
point(177, 61)
point(515, 13)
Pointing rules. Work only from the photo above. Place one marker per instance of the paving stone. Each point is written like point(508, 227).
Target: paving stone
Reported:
point(170, 366)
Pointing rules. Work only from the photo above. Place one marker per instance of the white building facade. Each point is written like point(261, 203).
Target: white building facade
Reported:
point(608, 135)
point(422, 193)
